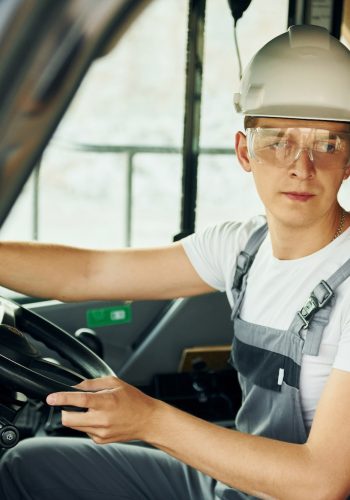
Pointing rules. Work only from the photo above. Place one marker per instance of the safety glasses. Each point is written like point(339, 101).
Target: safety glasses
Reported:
point(281, 147)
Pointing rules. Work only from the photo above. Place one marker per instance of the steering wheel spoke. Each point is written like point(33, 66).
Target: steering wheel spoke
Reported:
point(24, 369)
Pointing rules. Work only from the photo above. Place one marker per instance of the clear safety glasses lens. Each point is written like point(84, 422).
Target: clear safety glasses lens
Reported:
point(283, 146)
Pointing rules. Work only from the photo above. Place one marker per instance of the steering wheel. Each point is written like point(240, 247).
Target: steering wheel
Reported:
point(24, 369)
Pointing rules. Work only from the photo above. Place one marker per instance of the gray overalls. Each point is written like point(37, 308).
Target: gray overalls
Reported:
point(268, 360)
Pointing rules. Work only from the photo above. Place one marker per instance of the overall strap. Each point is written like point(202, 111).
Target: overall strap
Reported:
point(244, 261)
point(314, 316)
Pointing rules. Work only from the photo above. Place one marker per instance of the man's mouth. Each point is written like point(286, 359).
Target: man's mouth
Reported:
point(298, 196)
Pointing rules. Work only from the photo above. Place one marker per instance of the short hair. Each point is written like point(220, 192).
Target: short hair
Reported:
point(250, 121)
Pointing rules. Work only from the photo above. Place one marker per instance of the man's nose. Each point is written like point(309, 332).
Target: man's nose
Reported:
point(303, 164)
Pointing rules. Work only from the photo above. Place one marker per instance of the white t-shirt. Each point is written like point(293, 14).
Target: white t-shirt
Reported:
point(277, 289)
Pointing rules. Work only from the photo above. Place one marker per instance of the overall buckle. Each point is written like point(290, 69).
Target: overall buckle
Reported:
point(319, 297)
point(244, 261)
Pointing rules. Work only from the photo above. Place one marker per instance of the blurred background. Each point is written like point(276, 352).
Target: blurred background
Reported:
point(111, 175)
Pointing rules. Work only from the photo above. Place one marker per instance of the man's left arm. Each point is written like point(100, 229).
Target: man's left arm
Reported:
point(266, 468)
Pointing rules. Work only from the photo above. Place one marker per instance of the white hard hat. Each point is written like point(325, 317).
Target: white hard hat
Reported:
point(303, 73)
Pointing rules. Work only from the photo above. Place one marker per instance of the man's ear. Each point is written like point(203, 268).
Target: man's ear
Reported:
point(242, 151)
point(346, 173)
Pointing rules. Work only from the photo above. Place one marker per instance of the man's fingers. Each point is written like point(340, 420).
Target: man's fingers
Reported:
point(81, 399)
point(84, 422)
point(97, 384)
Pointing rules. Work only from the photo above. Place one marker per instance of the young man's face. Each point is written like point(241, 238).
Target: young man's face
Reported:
point(298, 166)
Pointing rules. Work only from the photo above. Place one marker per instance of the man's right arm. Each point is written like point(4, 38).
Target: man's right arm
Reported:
point(74, 274)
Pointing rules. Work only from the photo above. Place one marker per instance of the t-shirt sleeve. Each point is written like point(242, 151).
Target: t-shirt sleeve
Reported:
point(342, 357)
point(213, 252)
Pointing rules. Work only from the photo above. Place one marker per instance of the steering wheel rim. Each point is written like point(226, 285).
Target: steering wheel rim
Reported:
point(25, 374)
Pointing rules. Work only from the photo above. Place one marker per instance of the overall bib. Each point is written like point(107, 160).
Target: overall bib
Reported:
point(268, 360)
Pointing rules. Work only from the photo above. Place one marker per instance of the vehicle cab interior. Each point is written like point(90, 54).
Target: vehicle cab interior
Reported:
point(117, 125)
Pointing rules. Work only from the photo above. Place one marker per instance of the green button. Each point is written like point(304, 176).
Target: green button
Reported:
point(116, 315)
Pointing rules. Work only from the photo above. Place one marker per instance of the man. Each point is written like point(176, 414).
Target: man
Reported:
point(288, 286)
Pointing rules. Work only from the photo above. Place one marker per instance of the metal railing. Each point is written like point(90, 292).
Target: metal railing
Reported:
point(130, 151)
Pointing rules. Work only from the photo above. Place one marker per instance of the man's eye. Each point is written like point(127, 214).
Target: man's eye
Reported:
point(325, 147)
point(279, 145)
